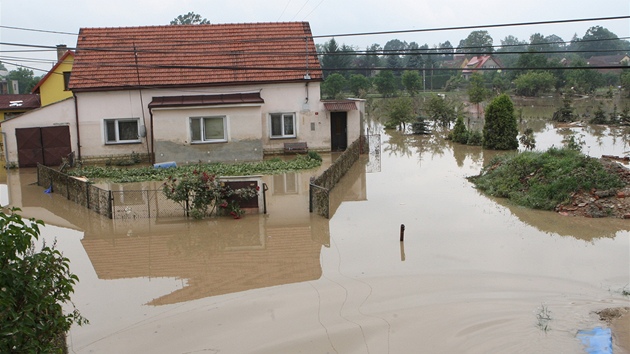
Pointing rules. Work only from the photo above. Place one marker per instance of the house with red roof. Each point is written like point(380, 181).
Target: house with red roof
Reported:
point(201, 93)
point(479, 64)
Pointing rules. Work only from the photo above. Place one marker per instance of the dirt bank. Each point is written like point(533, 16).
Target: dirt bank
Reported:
point(602, 203)
point(619, 321)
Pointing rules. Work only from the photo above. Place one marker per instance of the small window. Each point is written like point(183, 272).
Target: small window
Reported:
point(66, 80)
point(208, 129)
point(283, 125)
point(120, 131)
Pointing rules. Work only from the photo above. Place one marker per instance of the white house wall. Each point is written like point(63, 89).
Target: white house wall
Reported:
point(172, 135)
point(60, 113)
point(312, 121)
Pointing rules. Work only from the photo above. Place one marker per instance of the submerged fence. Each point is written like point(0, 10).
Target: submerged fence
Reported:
point(76, 189)
point(320, 187)
point(124, 203)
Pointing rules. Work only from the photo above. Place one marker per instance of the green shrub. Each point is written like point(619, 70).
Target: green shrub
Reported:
point(34, 284)
point(543, 180)
point(500, 129)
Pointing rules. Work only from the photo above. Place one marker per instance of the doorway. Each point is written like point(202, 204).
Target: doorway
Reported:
point(338, 131)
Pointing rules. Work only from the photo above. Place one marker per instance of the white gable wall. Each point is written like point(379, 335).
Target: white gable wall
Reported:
point(59, 113)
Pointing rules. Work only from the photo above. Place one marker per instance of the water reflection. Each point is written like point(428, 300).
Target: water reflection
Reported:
point(550, 222)
point(213, 256)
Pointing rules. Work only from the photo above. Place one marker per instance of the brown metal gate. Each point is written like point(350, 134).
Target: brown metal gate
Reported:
point(44, 145)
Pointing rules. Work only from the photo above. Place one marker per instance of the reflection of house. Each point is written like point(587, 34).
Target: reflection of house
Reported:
point(479, 64)
point(225, 257)
point(53, 87)
point(226, 92)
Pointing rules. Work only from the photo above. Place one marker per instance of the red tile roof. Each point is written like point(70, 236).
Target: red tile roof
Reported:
point(19, 102)
point(193, 55)
point(340, 106)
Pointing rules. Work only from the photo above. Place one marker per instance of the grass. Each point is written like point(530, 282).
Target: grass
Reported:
point(544, 317)
point(542, 180)
point(149, 173)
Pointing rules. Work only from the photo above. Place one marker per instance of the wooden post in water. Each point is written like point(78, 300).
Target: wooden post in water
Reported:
point(402, 232)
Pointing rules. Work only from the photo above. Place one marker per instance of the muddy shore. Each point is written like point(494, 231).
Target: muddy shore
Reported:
point(618, 319)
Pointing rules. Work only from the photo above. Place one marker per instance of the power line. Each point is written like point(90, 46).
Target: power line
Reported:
point(474, 27)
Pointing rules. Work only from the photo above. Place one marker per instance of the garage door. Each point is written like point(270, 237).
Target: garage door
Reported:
point(44, 145)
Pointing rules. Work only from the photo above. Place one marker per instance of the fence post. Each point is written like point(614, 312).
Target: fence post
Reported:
point(87, 194)
point(110, 205)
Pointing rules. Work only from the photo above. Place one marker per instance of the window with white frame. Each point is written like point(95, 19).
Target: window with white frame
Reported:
point(122, 130)
point(208, 129)
point(282, 125)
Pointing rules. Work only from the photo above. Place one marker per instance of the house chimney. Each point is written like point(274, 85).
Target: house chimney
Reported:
point(61, 50)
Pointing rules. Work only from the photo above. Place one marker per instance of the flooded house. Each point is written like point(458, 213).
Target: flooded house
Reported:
point(193, 93)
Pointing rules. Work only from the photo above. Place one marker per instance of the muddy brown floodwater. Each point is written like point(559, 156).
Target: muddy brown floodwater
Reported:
point(473, 275)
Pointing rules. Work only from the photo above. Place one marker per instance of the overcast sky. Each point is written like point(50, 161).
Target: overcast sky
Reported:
point(326, 17)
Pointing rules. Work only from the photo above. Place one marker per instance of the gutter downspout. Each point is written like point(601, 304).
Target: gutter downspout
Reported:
point(152, 153)
point(76, 116)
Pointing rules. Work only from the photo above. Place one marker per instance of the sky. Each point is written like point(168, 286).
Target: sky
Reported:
point(326, 17)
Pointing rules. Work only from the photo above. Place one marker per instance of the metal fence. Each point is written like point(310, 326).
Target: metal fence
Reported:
point(76, 189)
point(124, 203)
point(320, 187)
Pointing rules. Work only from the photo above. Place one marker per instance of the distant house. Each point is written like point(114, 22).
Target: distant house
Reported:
point(609, 63)
point(13, 105)
point(476, 63)
point(198, 93)
point(53, 87)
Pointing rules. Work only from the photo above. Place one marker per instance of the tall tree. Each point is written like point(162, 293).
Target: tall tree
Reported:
point(190, 18)
point(386, 83)
point(335, 59)
point(600, 41)
point(477, 42)
point(25, 78)
point(447, 50)
point(412, 82)
point(500, 130)
point(476, 90)
point(370, 61)
point(393, 50)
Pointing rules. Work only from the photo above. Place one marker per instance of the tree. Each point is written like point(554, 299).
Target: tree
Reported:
point(34, 286)
point(501, 129)
point(600, 41)
point(25, 78)
point(534, 82)
point(394, 49)
point(412, 82)
point(359, 85)
point(190, 18)
point(583, 80)
point(441, 110)
point(334, 84)
point(400, 112)
point(625, 81)
point(477, 42)
point(335, 58)
point(386, 83)
point(459, 133)
point(476, 90)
